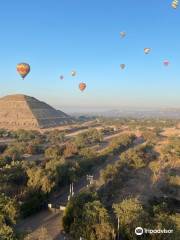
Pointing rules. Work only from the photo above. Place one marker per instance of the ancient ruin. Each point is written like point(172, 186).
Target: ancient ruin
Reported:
point(21, 111)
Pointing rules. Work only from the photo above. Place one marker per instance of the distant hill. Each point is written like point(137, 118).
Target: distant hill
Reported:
point(21, 111)
point(171, 113)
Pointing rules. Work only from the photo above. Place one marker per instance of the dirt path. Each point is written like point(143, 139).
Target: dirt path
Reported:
point(6, 140)
point(81, 131)
point(46, 219)
point(52, 221)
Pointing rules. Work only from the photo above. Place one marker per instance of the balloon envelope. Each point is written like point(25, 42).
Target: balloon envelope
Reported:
point(147, 50)
point(122, 34)
point(82, 86)
point(73, 73)
point(23, 69)
point(166, 62)
point(175, 4)
point(122, 66)
point(61, 77)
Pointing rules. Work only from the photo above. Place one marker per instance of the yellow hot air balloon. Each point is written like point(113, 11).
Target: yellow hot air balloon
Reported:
point(23, 69)
point(82, 86)
point(175, 4)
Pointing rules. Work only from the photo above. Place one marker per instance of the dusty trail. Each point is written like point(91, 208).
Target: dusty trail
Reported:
point(52, 220)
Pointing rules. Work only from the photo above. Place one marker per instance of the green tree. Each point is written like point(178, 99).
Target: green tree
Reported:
point(109, 173)
point(34, 200)
point(6, 232)
point(87, 218)
point(54, 152)
point(95, 223)
point(40, 179)
point(13, 152)
point(131, 214)
point(74, 208)
point(9, 212)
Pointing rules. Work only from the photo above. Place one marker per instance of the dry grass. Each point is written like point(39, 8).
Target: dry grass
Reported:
point(169, 132)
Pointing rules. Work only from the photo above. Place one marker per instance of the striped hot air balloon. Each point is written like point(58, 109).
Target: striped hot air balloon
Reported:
point(23, 69)
point(147, 50)
point(82, 86)
point(175, 4)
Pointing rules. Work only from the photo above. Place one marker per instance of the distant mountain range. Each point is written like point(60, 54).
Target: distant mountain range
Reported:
point(172, 113)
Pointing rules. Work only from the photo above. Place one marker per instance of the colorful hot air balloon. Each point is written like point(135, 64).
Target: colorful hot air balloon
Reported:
point(147, 50)
point(82, 86)
point(73, 73)
point(166, 63)
point(122, 66)
point(23, 69)
point(175, 4)
point(61, 77)
point(122, 34)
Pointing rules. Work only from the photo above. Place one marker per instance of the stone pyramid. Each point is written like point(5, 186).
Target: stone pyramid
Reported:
point(21, 111)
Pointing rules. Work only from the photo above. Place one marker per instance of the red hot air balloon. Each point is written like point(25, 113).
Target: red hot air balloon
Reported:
point(82, 86)
point(23, 69)
point(166, 63)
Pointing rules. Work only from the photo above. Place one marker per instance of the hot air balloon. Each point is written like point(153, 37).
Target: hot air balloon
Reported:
point(61, 77)
point(122, 66)
point(166, 63)
point(82, 86)
point(175, 4)
point(147, 50)
point(73, 73)
point(23, 69)
point(122, 34)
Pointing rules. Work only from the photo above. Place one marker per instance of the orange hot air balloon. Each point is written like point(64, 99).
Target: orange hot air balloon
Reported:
point(23, 69)
point(82, 86)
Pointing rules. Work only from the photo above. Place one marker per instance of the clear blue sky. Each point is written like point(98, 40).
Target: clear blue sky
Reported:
point(56, 36)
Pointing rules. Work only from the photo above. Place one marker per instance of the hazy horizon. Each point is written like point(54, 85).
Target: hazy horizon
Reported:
point(96, 108)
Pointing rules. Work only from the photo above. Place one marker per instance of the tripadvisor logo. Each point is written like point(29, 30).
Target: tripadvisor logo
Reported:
point(140, 231)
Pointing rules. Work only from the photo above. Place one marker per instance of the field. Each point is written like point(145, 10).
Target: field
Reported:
point(134, 166)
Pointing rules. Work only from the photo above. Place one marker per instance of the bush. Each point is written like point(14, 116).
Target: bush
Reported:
point(34, 201)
